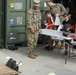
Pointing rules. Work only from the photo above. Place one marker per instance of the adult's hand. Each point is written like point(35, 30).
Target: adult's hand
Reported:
point(29, 12)
point(32, 31)
point(56, 14)
point(40, 30)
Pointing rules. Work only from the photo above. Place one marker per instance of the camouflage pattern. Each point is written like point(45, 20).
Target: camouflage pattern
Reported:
point(33, 21)
point(59, 9)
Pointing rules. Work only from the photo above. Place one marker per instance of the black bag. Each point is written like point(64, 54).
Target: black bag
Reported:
point(12, 64)
point(12, 48)
point(49, 48)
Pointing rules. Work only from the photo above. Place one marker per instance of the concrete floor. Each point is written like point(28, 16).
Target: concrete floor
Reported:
point(47, 63)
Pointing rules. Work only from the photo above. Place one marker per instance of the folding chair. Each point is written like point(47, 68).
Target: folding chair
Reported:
point(70, 50)
point(72, 44)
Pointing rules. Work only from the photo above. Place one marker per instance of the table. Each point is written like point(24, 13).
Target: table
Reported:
point(55, 33)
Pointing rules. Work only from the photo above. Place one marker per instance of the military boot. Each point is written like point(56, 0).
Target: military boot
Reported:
point(31, 55)
point(35, 54)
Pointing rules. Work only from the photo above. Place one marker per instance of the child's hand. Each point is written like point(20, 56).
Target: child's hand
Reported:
point(68, 29)
point(62, 26)
point(53, 23)
point(74, 36)
point(45, 22)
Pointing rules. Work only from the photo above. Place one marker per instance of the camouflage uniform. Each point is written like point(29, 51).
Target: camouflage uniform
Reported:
point(33, 21)
point(59, 9)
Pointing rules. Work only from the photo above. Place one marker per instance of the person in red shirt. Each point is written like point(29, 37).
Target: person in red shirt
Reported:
point(49, 25)
point(50, 22)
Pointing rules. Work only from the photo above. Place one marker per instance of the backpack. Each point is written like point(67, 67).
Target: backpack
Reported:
point(12, 64)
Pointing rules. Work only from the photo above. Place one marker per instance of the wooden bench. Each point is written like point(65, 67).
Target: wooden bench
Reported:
point(4, 70)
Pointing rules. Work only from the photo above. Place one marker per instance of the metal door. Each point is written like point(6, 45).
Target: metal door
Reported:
point(16, 21)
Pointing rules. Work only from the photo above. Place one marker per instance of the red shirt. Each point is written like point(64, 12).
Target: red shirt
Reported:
point(49, 23)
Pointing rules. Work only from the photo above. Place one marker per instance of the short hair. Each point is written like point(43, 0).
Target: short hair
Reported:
point(49, 1)
point(47, 12)
point(65, 14)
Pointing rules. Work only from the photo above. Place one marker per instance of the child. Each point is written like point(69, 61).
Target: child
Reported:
point(65, 26)
point(71, 33)
point(66, 22)
point(49, 24)
point(71, 30)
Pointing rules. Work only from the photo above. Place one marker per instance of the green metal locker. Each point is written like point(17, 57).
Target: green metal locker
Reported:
point(16, 21)
point(16, 15)
point(43, 8)
point(43, 5)
point(1, 24)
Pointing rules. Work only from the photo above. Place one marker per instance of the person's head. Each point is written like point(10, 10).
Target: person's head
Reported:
point(36, 4)
point(50, 3)
point(72, 24)
point(66, 16)
point(48, 14)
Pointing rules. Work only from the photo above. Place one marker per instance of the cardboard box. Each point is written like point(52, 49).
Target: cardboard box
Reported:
point(4, 70)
